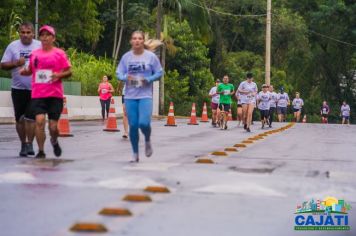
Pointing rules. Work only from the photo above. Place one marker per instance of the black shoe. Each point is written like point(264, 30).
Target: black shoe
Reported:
point(30, 150)
point(125, 136)
point(270, 125)
point(245, 126)
point(225, 127)
point(23, 152)
point(263, 125)
point(40, 155)
point(248, 130)
point(57, 150)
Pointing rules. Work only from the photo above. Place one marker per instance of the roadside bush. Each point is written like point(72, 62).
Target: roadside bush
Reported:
point(89, 70)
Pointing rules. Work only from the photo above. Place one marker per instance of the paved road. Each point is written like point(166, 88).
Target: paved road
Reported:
point(251, 192)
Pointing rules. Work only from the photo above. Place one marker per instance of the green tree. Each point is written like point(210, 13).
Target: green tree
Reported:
point(191, 62)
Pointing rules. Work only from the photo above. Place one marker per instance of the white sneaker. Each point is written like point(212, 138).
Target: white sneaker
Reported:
point(148, 149)
point(135, 158)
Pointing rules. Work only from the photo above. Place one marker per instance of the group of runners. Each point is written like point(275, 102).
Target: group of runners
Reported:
point(267, 101)
point(345, 111)
point(38, 68)
point(247, 96)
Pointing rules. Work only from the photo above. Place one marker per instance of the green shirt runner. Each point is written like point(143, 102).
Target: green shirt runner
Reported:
point(225, 96)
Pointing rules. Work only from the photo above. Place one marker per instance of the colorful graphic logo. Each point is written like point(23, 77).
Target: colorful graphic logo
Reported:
point(329, 214)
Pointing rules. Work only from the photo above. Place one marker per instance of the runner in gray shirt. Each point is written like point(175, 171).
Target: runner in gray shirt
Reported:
point(273, 105)
point(16, 56)
point(345, 113)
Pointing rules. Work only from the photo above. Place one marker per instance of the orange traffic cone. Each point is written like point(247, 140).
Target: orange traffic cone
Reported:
point(229, 118)
point(204, 116)
point(63, 122)
point(111, 124)
point(305, 119)
point(193, 116)
point(171, 121)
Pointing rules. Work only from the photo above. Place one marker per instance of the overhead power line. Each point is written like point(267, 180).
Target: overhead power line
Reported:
point(331, 38)
point(225, 13)
point(264, 15)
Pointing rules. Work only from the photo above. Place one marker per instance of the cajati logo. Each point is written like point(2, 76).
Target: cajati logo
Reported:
point(328, 214)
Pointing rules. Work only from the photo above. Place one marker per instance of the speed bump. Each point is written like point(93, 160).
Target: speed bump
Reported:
point(218, 153)
point(89, 228)
point(157, 189)
point(231, 149)
point(247, 141)
point(204, 161)
point(115, 212)
point(240, 145)
point(137, 198)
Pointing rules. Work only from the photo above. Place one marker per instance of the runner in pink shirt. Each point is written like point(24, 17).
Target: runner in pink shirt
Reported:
point(105, 91)
point(48, 67)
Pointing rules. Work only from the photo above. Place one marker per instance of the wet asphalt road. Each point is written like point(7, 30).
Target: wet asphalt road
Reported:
point(250, 192)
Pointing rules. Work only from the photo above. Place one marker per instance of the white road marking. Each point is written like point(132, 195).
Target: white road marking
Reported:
point(16, 177)
point(161, 166)
point(241, 188)
point(129, 182)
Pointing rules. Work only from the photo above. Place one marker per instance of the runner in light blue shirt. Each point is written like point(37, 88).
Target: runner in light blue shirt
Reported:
point(139, 68)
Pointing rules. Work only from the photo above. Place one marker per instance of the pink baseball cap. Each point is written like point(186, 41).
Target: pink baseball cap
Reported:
point(48, 28)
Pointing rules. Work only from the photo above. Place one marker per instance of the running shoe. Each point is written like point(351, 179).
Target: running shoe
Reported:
point(40, 155)
point(148, 149)
point(263, 125)
point(125, 136)
point(30, 150)
point(23, 151)
point(57, 150)
point(270, 125)
point(225, 127)
point(245, 126)
point(135, 158)
point(248, 129)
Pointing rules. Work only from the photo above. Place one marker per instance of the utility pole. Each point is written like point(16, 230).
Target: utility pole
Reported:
point(158, 53)
point(268, 44)
point(36, 20)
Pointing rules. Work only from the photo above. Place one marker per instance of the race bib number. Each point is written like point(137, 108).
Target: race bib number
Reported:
point(226, 92)
point(43, 76)
point(136, 81)
point(104, 91)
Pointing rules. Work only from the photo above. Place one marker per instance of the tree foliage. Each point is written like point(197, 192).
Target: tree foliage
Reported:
point(313, 42)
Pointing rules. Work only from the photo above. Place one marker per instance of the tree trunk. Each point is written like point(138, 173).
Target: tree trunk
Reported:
point(121, 31)
point(116, 28)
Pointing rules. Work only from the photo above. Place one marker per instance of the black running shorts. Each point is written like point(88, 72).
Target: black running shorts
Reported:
point(51, 106)
point(224, 107)
point(21, 98)
point(264, 114)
